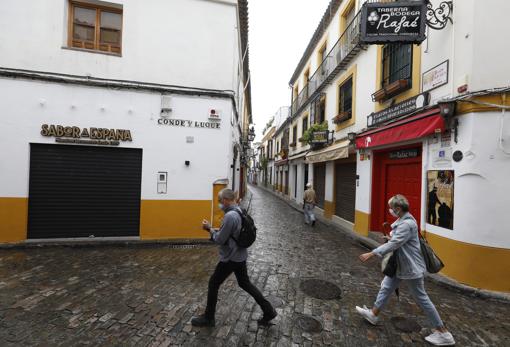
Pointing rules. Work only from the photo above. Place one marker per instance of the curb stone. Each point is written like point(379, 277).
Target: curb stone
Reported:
point(177, 243)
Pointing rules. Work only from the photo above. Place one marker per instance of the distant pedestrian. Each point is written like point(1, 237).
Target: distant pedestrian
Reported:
point(309, 202)
point(410, 267)
point(232, 260)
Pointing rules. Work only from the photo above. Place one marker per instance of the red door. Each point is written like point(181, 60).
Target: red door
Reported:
point(391, 177)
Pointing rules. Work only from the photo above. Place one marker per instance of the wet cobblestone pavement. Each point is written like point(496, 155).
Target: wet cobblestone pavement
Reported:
point(145, 296)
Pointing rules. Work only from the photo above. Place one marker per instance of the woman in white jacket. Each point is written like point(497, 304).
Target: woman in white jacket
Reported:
point(410, 268)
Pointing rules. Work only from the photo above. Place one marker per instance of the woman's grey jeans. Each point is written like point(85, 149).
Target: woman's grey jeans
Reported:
point(417, 289)
point(308, 211)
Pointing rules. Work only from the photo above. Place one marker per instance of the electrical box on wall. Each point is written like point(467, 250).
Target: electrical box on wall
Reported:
point(166, 105)
point(162, 182)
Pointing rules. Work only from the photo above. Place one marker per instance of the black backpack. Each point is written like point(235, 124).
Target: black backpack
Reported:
point(248, 232)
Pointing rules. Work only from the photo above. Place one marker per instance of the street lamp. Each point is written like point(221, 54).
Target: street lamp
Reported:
point(351, 137)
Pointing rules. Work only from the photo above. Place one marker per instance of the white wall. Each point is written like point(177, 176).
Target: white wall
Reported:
point(481, 182)
point(27, 105)
point(190, 43)
point(490, 39)
point(475, 45)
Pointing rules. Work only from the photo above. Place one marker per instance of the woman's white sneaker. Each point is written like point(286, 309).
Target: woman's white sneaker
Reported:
point(438, 338)
point(367, 314)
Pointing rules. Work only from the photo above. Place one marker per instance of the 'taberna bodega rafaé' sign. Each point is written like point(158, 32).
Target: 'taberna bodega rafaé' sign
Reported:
point(399, 22)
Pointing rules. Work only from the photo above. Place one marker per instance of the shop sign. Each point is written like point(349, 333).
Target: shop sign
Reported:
point(405, 153)
point(435, 77)
point(398, 110)
point(188, 123)
point(402, 22)
point(89, 136)
point(320, 137)
point(440, 150)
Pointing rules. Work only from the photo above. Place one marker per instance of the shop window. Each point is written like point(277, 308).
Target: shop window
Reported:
point(94, 27)
point(344, 102)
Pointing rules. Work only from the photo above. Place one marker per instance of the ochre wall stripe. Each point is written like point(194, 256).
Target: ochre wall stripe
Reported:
point(174, 219)
point(13, 219)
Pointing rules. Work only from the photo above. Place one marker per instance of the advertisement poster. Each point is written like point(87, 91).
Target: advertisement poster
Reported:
point(440, 198)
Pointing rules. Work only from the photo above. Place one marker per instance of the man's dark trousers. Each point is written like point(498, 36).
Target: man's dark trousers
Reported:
point(225, 269)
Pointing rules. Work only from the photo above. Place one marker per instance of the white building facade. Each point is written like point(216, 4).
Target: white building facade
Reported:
point(428, 121)
point(119, 123)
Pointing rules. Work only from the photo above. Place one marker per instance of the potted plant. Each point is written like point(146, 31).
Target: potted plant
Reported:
point(308, 134)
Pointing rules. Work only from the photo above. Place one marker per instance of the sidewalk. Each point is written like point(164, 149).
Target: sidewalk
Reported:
point(374, 240)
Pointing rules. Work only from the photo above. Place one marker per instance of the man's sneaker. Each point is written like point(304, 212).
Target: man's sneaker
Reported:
point(267, 317)
point(438, 338)
point(202, 321)
point(367, 314)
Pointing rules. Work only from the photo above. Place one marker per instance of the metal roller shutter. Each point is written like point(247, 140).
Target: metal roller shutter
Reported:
point(345, 190)
point(79, 191)
point(319, 182)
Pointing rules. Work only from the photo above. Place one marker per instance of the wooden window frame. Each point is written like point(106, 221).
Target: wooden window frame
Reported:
point(304, 122)
point(97, 30)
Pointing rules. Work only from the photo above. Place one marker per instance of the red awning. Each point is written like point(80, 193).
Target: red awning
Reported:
point(414, 127)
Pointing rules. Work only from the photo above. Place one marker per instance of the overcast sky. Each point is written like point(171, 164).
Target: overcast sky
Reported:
point(279, 33)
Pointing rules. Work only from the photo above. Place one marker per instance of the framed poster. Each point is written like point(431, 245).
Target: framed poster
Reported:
point(435, 77)
point(440, 198)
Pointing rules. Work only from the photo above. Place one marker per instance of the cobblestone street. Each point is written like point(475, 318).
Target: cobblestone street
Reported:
point(146, 295)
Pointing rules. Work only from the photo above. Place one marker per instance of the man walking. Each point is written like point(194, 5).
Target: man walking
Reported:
point(232, 260)
point(310, 199)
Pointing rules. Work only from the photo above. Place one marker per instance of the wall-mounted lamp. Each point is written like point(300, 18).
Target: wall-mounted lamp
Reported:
point(447, 109)
point(251, 134)
point(351, 137)
point(186, 163)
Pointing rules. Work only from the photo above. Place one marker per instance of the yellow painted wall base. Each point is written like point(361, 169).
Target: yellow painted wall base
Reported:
point(174, 219)
point(329, 209)
point(217, 216)
point(474, 265)
point(13, 219)
point(361, 222)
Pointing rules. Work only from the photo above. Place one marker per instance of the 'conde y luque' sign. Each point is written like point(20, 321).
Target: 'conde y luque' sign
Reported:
point(399, 22)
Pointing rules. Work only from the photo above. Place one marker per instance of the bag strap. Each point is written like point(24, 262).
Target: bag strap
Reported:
point(241, 214)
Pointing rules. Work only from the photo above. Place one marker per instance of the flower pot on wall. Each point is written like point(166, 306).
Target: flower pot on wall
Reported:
point(396, 87)
point(342, 117)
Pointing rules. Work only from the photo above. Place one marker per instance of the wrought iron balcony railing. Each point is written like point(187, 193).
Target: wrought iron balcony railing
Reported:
point(342, 53)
